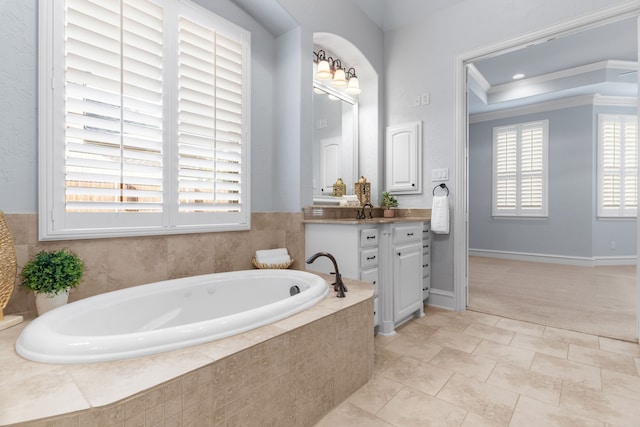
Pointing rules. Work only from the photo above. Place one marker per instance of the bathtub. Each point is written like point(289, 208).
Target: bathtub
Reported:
point(167, 315)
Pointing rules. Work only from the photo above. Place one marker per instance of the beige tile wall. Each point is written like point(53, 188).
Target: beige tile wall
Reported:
point(293, 379)
point(119, 263)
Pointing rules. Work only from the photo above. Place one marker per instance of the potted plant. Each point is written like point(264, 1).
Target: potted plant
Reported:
point(50, 275)
point(388, 202)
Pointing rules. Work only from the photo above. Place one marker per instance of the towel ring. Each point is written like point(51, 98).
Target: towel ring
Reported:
point(443, 186)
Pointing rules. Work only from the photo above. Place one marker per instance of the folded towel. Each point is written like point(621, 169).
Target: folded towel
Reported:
point(274, 259)
point(267, 253)
point(440, 215)
point(349, 202)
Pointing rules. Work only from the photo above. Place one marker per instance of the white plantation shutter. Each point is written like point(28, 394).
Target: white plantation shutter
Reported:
point(617, 165)
point(145, 112)
point(210, 120)
point(520, 169)
point(113, 77)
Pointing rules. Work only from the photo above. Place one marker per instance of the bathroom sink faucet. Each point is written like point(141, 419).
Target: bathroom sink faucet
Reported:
point(361, 214)
point(338, 286)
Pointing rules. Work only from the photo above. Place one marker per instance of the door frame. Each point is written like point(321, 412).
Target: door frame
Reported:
point(461, 198)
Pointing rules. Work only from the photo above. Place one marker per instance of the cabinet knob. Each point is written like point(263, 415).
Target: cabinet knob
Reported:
point(409, 234)
point(369, 258)
point(371, 237)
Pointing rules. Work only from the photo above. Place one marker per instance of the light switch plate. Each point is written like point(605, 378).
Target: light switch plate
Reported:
point(441, 174)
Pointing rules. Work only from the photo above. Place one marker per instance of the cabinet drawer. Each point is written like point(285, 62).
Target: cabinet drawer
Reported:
point(371, 276)
point(368, 237)
point(425, 261)
point(426, 283)
point(426, 247)
point(376, 312)
point(407, 233)
point(368, 258)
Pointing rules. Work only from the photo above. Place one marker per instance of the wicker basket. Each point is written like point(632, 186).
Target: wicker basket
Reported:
point(7, 264)
point(284, 266)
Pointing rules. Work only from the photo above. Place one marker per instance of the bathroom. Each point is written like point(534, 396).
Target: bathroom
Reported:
point(400, 63)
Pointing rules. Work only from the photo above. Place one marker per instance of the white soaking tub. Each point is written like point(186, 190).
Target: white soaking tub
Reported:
point(167, 315)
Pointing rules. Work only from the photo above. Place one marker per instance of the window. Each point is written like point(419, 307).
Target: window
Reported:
point(520, 169)
point(145, 119)
point(617, 165)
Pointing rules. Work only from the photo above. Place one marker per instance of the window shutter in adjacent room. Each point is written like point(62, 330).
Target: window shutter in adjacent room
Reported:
point(519, 169)
point(617, 165)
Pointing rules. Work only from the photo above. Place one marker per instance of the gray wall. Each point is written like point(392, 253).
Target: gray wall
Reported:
point(571, 229)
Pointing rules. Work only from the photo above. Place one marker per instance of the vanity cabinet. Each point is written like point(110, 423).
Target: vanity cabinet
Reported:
point(407, 271)
point(355, 248)
point(389, 256)
point(426, 260)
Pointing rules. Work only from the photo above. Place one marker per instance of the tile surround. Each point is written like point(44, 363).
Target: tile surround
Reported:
point(291, 372)
point(119, 263)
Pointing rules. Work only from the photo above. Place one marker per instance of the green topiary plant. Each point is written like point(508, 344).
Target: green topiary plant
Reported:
point(388, 201)
point(52, 272)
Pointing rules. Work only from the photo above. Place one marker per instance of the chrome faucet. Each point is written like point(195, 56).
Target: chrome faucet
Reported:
point(361, 215)
point(338, 286)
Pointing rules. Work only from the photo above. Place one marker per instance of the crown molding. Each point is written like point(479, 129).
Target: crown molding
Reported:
point(558, 104)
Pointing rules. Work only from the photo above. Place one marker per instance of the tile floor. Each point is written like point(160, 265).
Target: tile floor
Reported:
point(474, 369)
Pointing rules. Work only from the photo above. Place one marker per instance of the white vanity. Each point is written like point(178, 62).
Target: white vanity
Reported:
point(393, 254)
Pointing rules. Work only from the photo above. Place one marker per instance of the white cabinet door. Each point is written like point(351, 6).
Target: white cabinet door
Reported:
point(403, 169)
point(407, 279)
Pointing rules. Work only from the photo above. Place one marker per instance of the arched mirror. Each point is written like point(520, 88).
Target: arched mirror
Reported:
point(335, 142)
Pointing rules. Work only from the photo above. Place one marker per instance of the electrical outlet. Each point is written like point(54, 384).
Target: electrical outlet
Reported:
point(613, 244)
point(425, 98)
point(416, 101)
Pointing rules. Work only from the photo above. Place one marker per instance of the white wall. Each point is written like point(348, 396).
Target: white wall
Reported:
point(421, 57)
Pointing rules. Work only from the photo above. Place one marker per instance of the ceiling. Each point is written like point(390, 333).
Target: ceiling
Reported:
point(597, 61)
point(600, 60)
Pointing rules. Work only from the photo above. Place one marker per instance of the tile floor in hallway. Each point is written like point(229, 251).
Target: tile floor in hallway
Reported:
point(474, 369)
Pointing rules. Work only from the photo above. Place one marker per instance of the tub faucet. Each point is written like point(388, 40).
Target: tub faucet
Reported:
point(361, 215)
point(338, 286)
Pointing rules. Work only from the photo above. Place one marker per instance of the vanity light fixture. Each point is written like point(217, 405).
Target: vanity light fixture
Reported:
point(332, 69)
point(354, 85)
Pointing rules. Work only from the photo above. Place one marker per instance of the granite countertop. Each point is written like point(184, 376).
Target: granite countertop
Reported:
point(378, 220)
point(319, 214)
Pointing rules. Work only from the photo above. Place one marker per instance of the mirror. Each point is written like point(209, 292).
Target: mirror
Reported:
point(335, 142)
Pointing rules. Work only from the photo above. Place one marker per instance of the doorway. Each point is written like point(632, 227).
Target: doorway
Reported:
point(461, 221)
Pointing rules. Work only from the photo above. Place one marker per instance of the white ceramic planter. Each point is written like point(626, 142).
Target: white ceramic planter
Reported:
point(47, 302)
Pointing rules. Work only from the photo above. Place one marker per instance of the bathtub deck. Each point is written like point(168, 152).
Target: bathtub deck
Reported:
point(33, 391)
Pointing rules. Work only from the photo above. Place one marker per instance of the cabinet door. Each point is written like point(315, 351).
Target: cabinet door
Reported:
point(407, 280)
point(403, 154)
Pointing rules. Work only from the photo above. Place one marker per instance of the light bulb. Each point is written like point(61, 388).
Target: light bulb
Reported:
point(354, 86)
point(339, 78)
point(324, 70)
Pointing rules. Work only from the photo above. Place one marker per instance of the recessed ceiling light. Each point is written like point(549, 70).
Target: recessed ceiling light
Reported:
point(518, 76)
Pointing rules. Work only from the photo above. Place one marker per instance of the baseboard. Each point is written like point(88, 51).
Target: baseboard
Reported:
point(441, 299)
point(555, 259)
